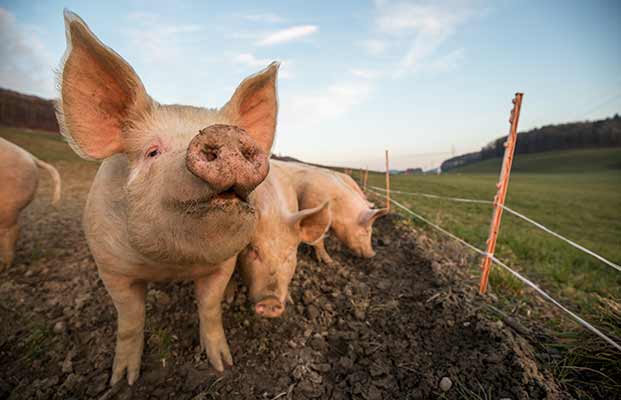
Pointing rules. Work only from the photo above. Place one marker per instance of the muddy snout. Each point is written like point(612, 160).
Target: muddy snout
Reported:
point(269, 307)
point(227, 159)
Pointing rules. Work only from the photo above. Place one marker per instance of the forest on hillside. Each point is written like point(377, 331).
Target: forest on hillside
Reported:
point(575, 135)
point(24, 111)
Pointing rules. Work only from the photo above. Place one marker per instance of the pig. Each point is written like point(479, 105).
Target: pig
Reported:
point(351, 218)
point(268, 263)
point(19, 175)
point(173, 197)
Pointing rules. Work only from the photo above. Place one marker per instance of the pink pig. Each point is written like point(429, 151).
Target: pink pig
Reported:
point(20, 177)
point(173, 198)
point(267, 265)
point(350, 217)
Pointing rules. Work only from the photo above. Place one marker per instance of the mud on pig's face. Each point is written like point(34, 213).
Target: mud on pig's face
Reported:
point(191, 171)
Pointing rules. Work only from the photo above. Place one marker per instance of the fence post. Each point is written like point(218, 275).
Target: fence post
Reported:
point(365, 179)
point(501, 186)
point(387, 182)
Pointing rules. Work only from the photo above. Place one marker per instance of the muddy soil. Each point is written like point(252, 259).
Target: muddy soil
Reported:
point(391, 327)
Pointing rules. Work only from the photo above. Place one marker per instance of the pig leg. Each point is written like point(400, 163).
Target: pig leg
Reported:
point(209, 293)
point(128, 296)
point(321, 253)
point(8, 238)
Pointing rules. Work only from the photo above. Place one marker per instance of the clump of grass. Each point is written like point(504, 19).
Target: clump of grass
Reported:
point(590, 367)
point(162, 340)
point(35, 342)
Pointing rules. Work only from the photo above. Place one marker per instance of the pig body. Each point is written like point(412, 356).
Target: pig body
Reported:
point(19, 174)
point(173, 198)
point(268, 264)
point(351, 218)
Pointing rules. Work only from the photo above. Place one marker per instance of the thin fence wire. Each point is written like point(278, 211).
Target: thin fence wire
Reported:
point(517, 214)
point(525, 280)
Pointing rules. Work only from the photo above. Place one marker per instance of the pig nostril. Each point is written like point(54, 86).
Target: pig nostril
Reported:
point(249, 153)
point(210, 152)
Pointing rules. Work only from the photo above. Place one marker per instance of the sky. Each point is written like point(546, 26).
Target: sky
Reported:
point(424, 79)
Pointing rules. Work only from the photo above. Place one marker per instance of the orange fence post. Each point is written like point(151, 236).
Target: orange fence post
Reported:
point(387, 183)
point(501, 186)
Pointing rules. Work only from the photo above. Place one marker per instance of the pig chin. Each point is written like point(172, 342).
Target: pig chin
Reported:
point(202, 237)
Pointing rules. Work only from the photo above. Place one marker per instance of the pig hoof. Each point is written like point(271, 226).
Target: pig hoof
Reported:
point(122, 364)
point(217, 350)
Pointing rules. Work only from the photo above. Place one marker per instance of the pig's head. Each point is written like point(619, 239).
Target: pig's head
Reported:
point(352, 222)
point(267, 265)
point(191, 171)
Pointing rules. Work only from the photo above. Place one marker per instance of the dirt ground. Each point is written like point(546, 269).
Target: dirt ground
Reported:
point(390, 327)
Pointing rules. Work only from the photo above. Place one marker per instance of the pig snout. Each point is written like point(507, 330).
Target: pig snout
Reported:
point(227, 158)
point(270, 307)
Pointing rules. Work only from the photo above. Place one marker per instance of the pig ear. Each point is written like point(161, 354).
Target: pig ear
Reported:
point(368, 217)
point(314, 222)
point(254, 106)
point(99, 93)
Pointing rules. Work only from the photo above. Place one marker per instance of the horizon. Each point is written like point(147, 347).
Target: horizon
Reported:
point(426, 81)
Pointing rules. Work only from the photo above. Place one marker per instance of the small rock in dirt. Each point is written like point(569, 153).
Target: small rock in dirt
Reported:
point(446, 384)
point(383, 284)
point(97, 385)
point(377, 370)
point(193, 380)
point(161, 297)
point(317, 343)
point(307, 297)
point(374, 394)
point(313, 312)
point(72, 382)
point(298, 372)
point(346, 363)
point(60, 327)
point(292, 344)
point(314, 377)
point(68, 364)
point(359, 314)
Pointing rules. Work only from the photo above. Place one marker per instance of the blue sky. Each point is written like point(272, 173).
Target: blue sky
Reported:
point(422, 79)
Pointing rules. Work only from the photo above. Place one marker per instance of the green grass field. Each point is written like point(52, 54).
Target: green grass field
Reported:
point(576, 193)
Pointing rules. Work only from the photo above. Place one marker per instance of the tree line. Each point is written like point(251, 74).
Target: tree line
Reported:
point(575, 135)
point(24, 111)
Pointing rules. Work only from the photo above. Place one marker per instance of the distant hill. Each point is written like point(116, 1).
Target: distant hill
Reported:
point(574, 161)
point(576, 135)
point(24, 111)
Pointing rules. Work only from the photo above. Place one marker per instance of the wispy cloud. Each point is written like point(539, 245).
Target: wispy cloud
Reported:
point(156, 39)
point(264, 17)
point(424, 25)
point(288, 35)
point(310, 109)
point(26, 64)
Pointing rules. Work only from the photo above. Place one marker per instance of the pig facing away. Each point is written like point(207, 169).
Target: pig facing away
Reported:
point(173, 196)
point(19, 175)
point(268, 263)
point(351, 218)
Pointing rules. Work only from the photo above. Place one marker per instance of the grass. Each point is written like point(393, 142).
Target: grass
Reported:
point(47, 146)
point(576, 193)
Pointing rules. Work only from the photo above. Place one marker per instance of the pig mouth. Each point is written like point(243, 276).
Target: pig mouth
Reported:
point(221, 201)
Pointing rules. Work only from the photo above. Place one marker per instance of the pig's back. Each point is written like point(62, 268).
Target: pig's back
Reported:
point(19, 177)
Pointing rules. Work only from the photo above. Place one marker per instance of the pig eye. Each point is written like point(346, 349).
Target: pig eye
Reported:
point(153, 152)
